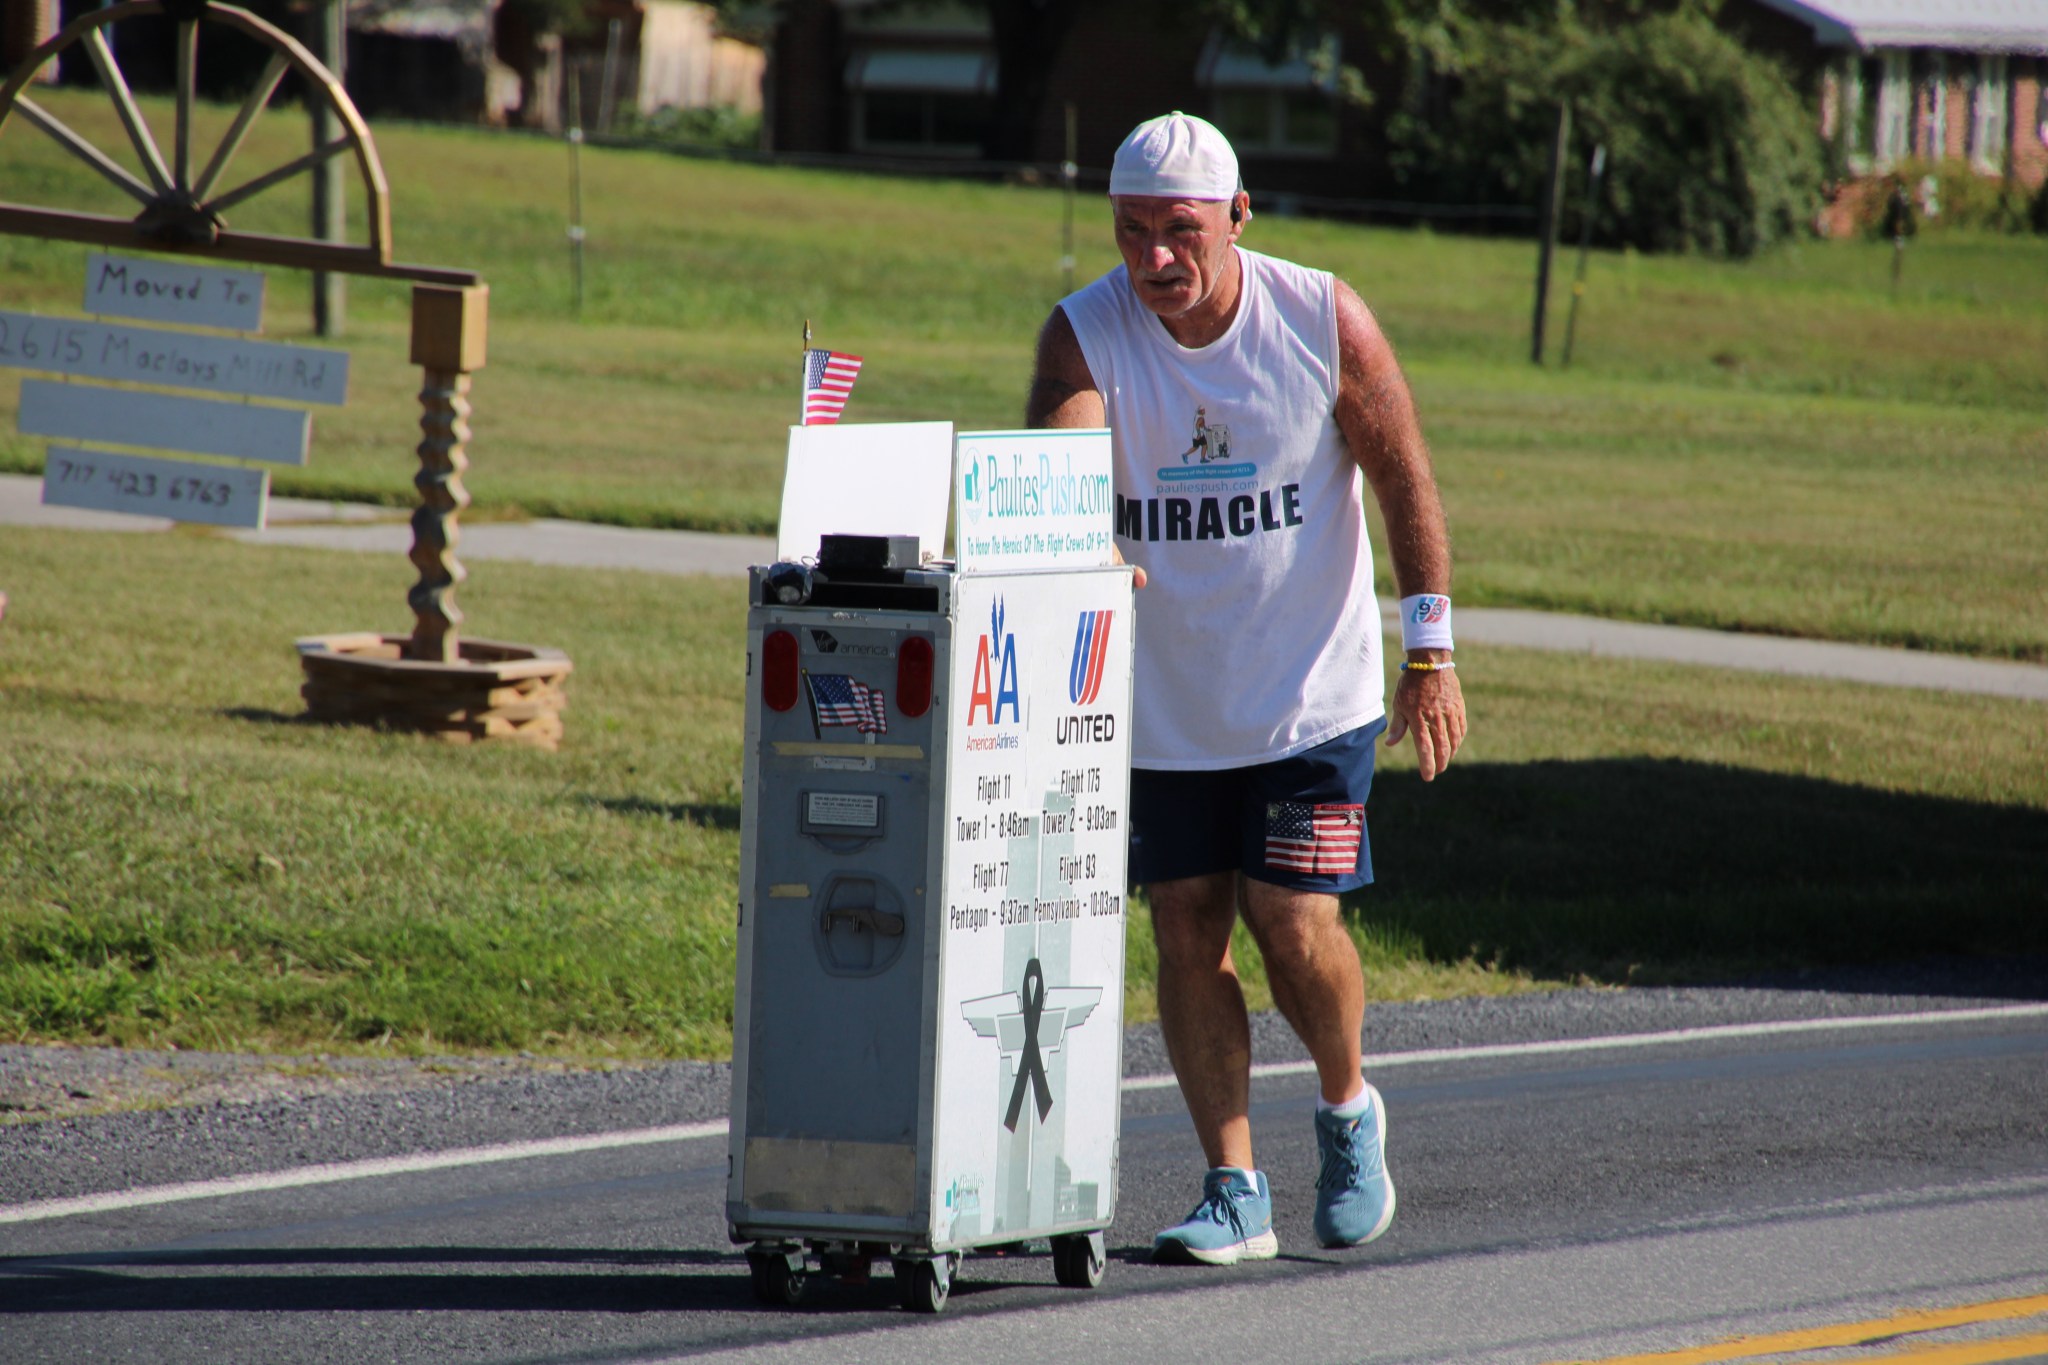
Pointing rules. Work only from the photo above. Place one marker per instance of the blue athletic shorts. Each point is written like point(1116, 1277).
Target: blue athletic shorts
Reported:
point(1297, 822)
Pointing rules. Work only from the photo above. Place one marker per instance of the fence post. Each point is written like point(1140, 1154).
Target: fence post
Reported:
point(1069, 170)
point(1553, 196)
point(1593, 174)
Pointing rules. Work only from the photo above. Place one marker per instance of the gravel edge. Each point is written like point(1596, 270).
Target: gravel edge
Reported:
point(80, 1120)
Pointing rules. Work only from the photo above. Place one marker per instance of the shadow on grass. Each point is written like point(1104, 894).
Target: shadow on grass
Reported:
point(266, 717)
point(1646, 869)
point(702, 813)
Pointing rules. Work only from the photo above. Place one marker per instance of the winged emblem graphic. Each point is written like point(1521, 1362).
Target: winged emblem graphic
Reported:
point(1032, 1020)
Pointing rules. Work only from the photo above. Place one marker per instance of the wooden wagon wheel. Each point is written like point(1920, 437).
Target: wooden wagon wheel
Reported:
point(181, 209)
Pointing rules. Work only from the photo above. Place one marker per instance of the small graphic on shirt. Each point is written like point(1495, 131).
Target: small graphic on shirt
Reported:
point(1207, 457)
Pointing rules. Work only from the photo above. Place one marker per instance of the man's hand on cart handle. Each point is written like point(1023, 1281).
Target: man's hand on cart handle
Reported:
point(1432, 705)
point(1137, 570)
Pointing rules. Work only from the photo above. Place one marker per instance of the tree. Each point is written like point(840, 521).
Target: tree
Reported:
point(1710, 147)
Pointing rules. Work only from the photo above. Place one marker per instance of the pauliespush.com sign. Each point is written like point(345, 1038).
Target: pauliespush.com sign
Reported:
point(1033, 499)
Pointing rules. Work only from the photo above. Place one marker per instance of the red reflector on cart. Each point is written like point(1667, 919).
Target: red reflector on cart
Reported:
point(781, 679)
point(914, 676)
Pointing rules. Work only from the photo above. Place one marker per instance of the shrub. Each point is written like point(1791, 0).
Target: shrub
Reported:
point(1709, 146)
point(1964, 199)
point(721, 126)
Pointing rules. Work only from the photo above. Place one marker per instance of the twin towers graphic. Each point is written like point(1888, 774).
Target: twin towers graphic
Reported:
point(1031, 1022)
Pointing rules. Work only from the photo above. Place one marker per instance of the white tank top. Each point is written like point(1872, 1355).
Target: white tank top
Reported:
point(1257, 635)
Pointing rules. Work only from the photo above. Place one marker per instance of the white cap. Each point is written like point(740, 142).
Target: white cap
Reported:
point(1176, 156)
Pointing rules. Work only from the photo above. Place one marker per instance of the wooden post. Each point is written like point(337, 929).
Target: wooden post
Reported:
point(448, 324)
point(330, 216)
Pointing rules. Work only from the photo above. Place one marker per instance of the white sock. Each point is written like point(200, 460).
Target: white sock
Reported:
point(1358, 1106)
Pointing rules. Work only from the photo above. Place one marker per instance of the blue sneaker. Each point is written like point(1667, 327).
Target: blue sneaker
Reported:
point(1354, 1193)
point(1234, 1222)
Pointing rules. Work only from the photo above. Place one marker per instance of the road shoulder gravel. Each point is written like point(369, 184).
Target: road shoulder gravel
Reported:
point(87, 1120)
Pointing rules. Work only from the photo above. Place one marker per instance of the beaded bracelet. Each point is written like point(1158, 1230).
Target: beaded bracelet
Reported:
point(1424, 666)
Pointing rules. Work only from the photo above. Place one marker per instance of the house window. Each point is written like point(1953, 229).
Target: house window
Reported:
point(1288, 108)
point(921, 101)
point(1931, 104)
point(1990, 108)
point(1877, 99)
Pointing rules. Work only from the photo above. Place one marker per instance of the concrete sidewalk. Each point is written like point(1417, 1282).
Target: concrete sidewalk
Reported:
point(350, 526)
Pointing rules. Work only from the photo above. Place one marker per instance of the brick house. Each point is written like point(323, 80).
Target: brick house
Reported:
point(1938, 83)
point(1891, 80)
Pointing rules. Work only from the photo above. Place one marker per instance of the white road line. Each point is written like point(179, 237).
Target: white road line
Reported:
point(115, 1200)
point(353, 1170)
point(1713, 1033)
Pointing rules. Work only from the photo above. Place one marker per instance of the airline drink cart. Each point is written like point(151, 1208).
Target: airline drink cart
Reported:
point(928, 1019)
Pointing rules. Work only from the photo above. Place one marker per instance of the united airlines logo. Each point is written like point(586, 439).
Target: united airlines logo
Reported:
point(1084, 683)
point(1430, 609)
point(995, 675)
point(1091, 650)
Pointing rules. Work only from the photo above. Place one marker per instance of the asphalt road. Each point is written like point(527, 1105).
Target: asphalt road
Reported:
point(1562, 1197)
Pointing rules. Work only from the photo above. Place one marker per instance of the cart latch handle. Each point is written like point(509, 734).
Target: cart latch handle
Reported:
point(884, 922)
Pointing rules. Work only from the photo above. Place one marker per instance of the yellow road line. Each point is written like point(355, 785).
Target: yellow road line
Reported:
point(1973, 1352)
point(1853, 1334)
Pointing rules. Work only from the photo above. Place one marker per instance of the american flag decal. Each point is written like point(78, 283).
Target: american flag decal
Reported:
point(1091, 649)
point(828, 382)
point(1321, 839)
point(837, 699)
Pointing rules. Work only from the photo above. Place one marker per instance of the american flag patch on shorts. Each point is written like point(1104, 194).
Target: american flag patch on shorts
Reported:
point(1316, 839)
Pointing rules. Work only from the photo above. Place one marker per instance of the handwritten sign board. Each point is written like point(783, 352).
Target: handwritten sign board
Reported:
point(196, 426)
point(183, 360)
point(1033, 499)
point(173, 291)
point(167, 357)
point(183, 490)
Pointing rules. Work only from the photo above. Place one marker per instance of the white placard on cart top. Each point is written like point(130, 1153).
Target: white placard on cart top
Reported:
point(173, 291)
point(1033, 499)
point(865, 479)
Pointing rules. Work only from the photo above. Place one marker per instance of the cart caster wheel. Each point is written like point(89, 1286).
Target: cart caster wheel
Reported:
point(777, 1282)
point(1078, 1261)
point(926, 1286)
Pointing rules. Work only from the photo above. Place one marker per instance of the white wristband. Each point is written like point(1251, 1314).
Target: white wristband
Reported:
point(1426, 621)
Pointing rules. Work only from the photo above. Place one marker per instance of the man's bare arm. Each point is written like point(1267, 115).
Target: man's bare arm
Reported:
point(1376, 413)
point(1063, 392)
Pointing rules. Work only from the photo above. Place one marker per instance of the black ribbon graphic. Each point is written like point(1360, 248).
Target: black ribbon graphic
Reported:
point(1031, 1065)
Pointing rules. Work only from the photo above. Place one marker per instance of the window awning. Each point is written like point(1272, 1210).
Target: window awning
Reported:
point(1952, 25)
point(942, 73)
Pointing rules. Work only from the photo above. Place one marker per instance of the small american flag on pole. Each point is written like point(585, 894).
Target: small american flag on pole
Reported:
point(828, 381)
point(1319, 839)
point(837, 699)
